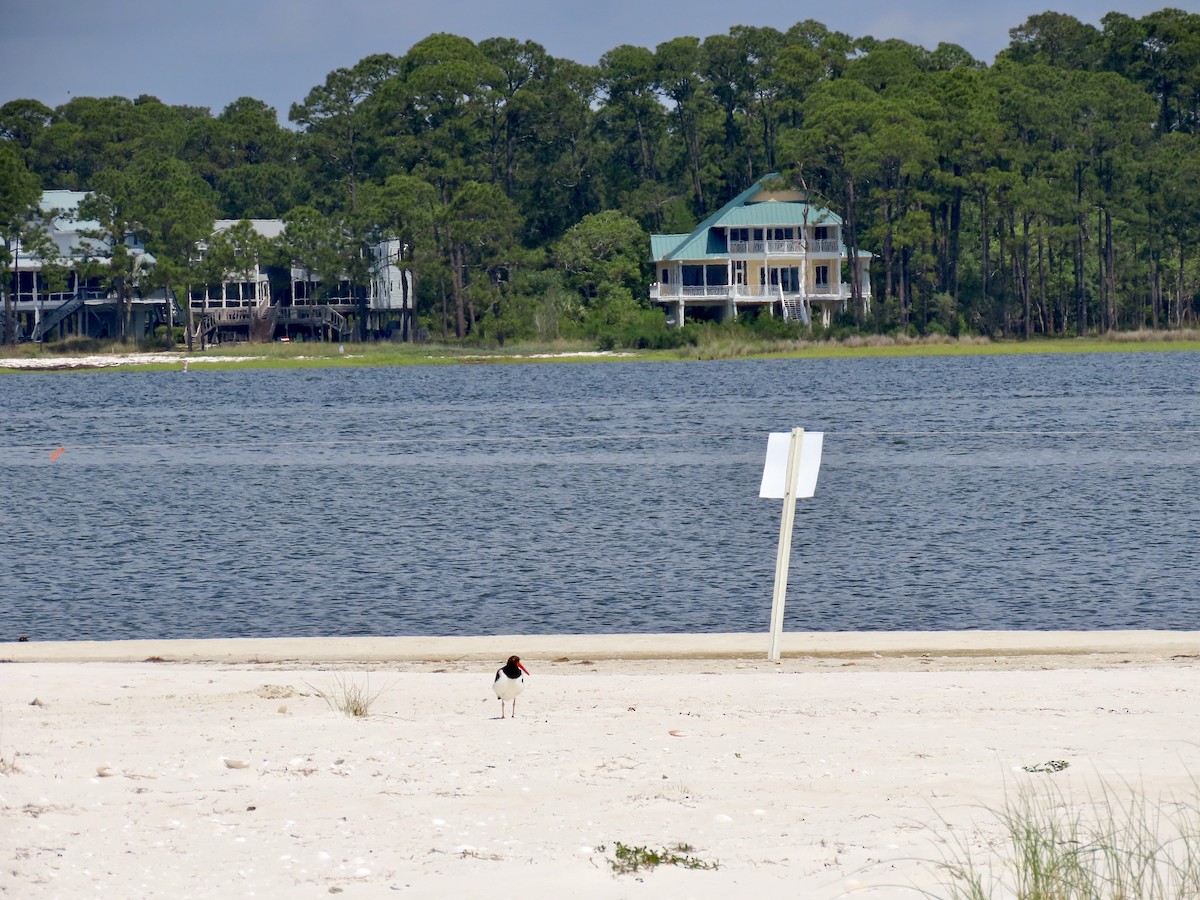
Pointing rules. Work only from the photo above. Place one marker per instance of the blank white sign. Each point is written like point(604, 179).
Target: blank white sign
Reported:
point(775, 471)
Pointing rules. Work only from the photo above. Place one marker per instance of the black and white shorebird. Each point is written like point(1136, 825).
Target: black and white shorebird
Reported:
point(510, 681)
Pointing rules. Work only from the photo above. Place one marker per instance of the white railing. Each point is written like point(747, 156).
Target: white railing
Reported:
point(714, 291)
point(749, 292)
point(787, 248)
point(759, 248)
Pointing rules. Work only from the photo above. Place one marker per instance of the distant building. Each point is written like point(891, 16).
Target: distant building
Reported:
point(263, 301)
point(768, 248)
point(260, 302)
point(81, 306)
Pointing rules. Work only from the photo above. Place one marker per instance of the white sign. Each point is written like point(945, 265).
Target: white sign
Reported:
point(774, 478)
point(793, 461)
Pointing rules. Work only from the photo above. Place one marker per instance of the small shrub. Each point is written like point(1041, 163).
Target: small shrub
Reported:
point(634, 859)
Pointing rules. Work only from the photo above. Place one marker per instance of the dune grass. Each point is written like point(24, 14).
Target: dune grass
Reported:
point(1116, 844)
point(349, 697)
point(8, 764)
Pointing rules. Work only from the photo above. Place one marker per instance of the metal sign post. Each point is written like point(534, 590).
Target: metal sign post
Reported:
point(793, 461)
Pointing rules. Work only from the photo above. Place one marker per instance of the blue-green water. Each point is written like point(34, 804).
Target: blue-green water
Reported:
point(1030, 492)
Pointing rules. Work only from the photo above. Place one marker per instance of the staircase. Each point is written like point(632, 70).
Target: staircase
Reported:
point(262, 326)
point(203, 329)
point(794, 307)
point(315, 316)
point(260, 322)
point(56, 315)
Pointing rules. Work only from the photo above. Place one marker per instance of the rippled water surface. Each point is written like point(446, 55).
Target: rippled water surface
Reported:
point(1032, 492)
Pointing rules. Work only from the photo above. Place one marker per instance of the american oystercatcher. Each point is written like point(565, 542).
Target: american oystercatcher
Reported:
point(510, 681)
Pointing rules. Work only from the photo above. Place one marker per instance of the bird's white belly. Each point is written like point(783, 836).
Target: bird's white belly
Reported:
point(508, 688)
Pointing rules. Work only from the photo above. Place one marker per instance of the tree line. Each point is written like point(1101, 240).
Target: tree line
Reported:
point(1054, 191)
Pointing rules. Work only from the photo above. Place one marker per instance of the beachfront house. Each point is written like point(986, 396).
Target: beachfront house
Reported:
point(65, 294)
point(263, 301)
point(62, 295)
point(769, 248)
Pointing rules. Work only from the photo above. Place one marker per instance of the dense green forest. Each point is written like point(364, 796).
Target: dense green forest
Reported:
point(1054, 191)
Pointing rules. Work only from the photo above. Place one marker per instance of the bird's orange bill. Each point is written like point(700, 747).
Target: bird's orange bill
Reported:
point(57, 453)
point(521, 666)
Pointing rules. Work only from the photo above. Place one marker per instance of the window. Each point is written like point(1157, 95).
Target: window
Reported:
point(821, 233)
point(821, 276)
point(666, 276)
point(787, 278)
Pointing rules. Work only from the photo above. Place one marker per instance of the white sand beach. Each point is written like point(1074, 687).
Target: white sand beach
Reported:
point(214, 769)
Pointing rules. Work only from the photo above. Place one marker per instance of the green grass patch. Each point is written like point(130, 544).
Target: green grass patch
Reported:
point(716, 343)
point(626, 859)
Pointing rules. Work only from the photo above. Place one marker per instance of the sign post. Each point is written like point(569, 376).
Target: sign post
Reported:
point(793, 461)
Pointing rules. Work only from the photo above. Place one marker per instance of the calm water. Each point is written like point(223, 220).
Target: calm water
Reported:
point(1038, 492)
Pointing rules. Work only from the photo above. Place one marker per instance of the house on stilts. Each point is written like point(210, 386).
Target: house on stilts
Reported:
point(265, 302)
point(769, 248)
point(66, 295)
point(54, 298)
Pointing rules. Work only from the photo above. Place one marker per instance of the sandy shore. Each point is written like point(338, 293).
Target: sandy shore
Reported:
point(850, 768)
point(110, 360)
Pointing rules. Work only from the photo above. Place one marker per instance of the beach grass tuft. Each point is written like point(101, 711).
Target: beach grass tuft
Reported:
point(349, 697)
point(1116, 844)
point(8, 764)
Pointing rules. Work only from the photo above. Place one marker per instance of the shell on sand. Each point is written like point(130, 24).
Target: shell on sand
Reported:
point(234, 763)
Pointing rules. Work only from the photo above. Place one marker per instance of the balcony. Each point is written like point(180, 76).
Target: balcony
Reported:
point(720, 293)
point(784, 248)
point(766, 248)
point(716, 292)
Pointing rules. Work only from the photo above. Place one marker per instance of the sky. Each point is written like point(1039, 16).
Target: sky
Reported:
point(213, 52)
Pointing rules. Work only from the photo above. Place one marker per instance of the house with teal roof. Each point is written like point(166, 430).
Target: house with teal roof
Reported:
point(768, 248)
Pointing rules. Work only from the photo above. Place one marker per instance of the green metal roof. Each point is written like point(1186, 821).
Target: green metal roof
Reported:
point(704, 243)
point(778, 213)
point(661, 245)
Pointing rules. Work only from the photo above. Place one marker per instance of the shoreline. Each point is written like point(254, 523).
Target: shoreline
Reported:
point(966, 647)
point(251, 356)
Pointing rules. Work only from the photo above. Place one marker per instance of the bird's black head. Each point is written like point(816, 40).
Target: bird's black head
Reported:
point(513, 668)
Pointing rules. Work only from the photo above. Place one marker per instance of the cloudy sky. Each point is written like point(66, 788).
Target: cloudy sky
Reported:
point(210, 53)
